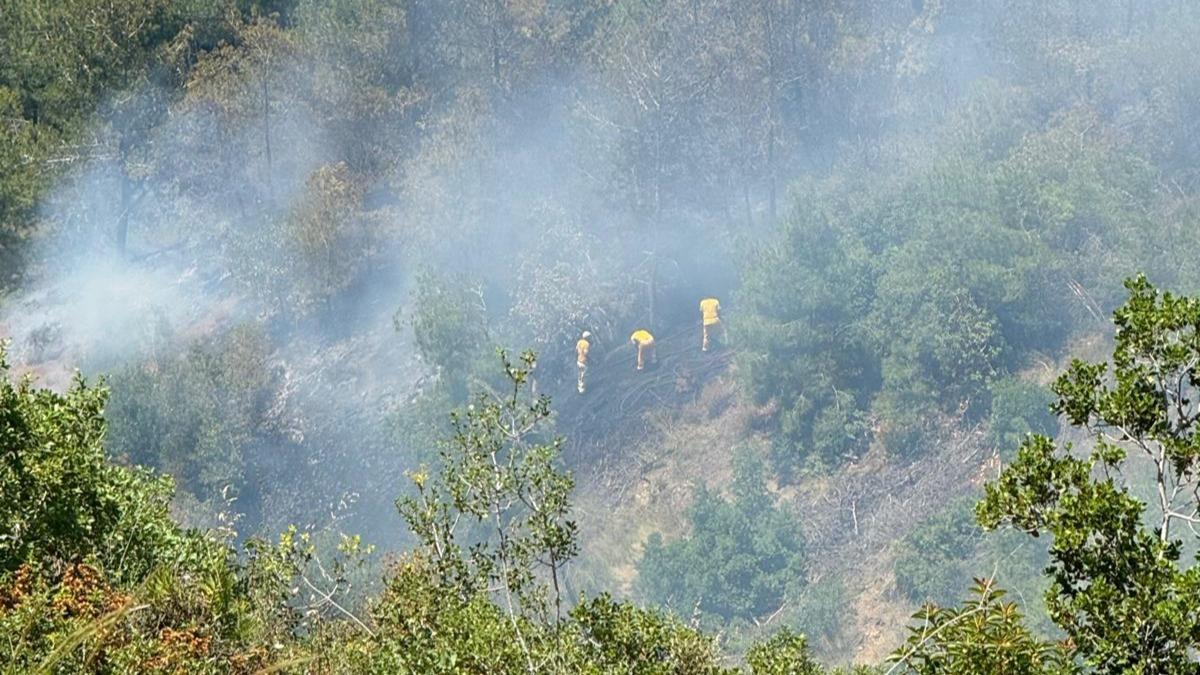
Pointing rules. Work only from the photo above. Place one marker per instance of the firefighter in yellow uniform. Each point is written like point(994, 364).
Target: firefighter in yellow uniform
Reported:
point(644, 341)
point(581, 356)
point(710, 309)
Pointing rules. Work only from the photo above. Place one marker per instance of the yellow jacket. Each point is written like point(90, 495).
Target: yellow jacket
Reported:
point(642, 337)
point(581, 350)
point(709, 307)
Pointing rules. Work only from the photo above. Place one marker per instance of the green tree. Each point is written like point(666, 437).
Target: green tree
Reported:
point(1019, 408)
point(985, 635)
point(742, 559)
point(484, 592)
point(498, 472)
point(60, 499)
point(197, 415)
point(1118, 589)
point(95, 576)
point(932, 559)
point(449, 324)
point(802, 343)
point(784, 653)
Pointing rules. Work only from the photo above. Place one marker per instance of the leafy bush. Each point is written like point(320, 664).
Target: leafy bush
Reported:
point(299, 261)
point(932, 560)
point(820, 611)
point(60, 500)
point(741, 559)
point(1120, 590)
point(197, 413)
point(449, 325)
point(94, 574)
point(1019, 408)
point(985, 635)
point(489, 600)
point(785, 653)
point(800, 345)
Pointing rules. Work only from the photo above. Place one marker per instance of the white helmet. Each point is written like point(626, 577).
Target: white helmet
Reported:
point(587, 334)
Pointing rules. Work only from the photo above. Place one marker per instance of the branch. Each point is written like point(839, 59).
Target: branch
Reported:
point(328, 598)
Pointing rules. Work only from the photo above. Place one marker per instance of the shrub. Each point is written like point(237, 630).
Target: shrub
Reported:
point(1019, 408)
point(741, 560)
point(932, 561)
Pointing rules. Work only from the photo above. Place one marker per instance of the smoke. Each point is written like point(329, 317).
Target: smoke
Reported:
point(601, 191)
point(300, 182)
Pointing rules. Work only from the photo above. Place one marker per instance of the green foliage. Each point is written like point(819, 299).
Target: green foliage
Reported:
point(100, 580)
point(742, 558)
point(419, 426)
point(1019, 562)
point(476, 599)
point(197, 414)
point(94, 574)
point(497, 471)
point(961, 221)
point(83, 81)
point(931, 563)
point(1019, 408)
point(820, 612)
point(19, 189)
point(1118, 589)
point(785, 653)
point(306, 257)
point(941, 349)
point(935, 276)
point(424, 627)
point(449, 324)
point(617, 637)
point(800, 344)
point(984, 635)
point(60, 501)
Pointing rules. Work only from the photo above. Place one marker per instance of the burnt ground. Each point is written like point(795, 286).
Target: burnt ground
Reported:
point(616, 413)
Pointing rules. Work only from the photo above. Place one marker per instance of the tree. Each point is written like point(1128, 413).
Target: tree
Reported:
point(60, 500)
point(84, 83)
point(300, 261)
point(497, 472)
point(95, 576)
point(485, 591)
point(1019, 408)
point(984, 635)
point(449, 324)
point(784, 653)
point(802, 342)
point(198, 414)
point(742, 559)
point(1118, 589)
point(930, 567)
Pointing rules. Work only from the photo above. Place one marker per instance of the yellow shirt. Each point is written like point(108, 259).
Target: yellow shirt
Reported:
point(642, 337)
point(581, 350)
point(708, 309)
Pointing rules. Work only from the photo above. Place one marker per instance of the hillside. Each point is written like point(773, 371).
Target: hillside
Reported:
point(321, 260)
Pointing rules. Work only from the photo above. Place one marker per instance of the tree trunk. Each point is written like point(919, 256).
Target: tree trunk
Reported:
point(123, 220)
point(266, 103)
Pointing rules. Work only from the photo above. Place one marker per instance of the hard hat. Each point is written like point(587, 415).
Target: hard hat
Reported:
point(587, 334)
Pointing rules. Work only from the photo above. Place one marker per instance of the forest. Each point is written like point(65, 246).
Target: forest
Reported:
point(315, 348)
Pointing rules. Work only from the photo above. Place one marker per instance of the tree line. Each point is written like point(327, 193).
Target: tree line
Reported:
point(98, 578)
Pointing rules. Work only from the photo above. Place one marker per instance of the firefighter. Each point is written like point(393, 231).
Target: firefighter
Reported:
point(581, 356)
point(644, 341)
point(710, 318)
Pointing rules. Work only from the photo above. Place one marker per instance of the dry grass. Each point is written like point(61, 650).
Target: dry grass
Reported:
point(651, 489)
point(851, 518)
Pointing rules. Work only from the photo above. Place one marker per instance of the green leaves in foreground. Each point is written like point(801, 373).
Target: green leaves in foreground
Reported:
point(1118, 589)
point(984, 635)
